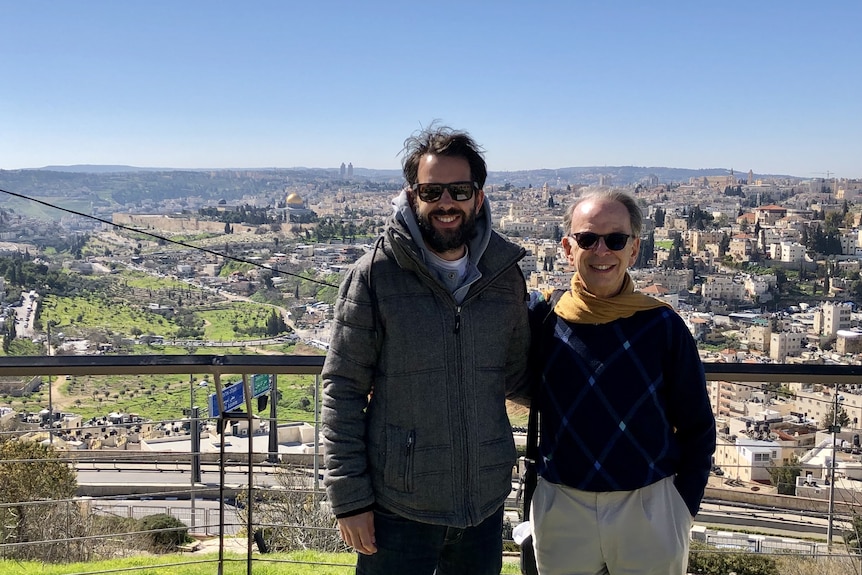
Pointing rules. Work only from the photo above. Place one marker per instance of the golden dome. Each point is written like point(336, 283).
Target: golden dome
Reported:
point(294, 200)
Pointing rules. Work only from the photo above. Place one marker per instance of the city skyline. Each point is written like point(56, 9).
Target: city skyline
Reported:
point(771, 87)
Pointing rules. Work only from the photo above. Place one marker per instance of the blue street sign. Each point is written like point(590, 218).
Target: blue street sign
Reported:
point(232, 397)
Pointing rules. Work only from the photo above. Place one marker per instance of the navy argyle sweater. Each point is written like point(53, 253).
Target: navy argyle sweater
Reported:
point(622, 404)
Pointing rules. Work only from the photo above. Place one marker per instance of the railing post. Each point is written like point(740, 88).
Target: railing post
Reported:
point(221, 430)
point(273, 420)
point(831, 514)
point(316, 432)
point(249, 498)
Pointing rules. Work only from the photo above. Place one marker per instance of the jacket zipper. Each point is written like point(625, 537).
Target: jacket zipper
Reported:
point(408, 470)
point(464, 441)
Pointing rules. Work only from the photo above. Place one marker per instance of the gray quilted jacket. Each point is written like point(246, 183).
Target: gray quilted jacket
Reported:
point(414, 384)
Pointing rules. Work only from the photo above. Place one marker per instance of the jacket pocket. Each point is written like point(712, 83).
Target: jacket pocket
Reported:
point(400, 451)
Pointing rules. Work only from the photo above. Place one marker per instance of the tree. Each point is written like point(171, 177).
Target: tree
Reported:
point(723, 244)
point(784, 477)
point(853, 538)
point(780, 277)
point(275, 324)
point(841, 420)
point(833, 221)
point(31, 478)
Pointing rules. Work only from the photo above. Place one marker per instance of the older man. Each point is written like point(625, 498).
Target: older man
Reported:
point(627, 431)
point(430, 332)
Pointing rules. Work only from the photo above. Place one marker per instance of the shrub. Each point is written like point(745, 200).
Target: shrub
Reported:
point(304, 521)
point(166, 531)
point(705, 560)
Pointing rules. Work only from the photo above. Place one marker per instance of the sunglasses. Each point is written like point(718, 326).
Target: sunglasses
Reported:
point(458, 191)
point(588, 240)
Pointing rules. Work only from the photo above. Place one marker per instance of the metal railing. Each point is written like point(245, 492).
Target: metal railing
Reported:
point(207, 521)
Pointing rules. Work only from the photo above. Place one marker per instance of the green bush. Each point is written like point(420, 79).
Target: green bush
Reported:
point(511, 547)
point(165, 540)
point(705, 560)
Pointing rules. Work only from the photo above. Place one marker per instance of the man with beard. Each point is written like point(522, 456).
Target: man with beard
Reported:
point(430, 332)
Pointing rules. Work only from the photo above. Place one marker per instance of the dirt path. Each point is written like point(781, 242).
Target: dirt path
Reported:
point(59, 399)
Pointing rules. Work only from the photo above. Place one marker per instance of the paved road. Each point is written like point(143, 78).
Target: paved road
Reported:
point(25, 315)
point(776, 521)
point(130, 475)
point(159, 480)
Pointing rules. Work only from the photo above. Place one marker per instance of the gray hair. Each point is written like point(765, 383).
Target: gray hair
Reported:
point(635, 214)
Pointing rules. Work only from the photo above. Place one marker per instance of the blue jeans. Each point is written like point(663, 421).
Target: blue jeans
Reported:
point(412, 548)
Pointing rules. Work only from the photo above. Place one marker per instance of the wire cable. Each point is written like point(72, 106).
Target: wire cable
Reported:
point(163, 238)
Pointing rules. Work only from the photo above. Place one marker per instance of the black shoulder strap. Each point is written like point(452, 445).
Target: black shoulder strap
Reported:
point(375, 309)
point(532, 453)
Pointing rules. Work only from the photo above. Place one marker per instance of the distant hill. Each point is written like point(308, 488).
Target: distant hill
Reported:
point(616, 175)
point(619, 175)
point(98, 169)
point(103, 188)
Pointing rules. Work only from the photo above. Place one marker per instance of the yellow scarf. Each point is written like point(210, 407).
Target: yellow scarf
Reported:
point(579, 306)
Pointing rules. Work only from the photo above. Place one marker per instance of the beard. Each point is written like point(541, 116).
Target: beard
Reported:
point(444, 241)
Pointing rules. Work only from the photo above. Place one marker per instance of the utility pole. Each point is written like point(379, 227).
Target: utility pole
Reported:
point(835, 429)
point(273, 421)
point(50, 395)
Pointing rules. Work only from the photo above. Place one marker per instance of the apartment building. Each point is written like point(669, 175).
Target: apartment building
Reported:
point(698, 240)
point(740, 247)
point(815, 402)
point(784, 344)
point(831, 317)
point(848, 342)
point(790, 252)
point(722, 288)
point(769, 215)
point(674, 280)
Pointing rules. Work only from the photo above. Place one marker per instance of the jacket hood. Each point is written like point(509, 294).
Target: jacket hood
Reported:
point(403, 213)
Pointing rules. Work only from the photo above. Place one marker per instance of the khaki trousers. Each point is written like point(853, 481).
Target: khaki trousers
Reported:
point(641, 532)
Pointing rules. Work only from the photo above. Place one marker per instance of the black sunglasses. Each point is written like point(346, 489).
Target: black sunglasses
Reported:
point(458, 191)
point(588, 240)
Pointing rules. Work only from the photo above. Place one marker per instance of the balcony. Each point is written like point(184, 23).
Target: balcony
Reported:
point(202, 504)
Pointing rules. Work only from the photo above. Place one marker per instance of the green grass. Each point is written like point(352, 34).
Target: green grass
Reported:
point(295, 563)
point(141, 280)
point(237, 320)
point(231, 321)
point(29, 209)
point(303, 563)
point(194, 238)
point(231, 266)
point(90, 312)
point(159, 397)
point(20, 346)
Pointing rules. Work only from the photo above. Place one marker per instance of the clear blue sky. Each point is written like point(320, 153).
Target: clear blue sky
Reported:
point(769, 85)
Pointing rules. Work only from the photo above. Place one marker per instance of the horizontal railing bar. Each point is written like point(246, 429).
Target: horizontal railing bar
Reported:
point(784, 372)
point(312, 365)
point(160, 364)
